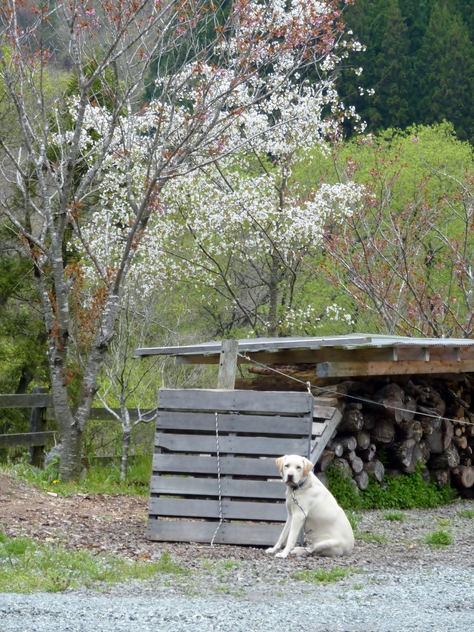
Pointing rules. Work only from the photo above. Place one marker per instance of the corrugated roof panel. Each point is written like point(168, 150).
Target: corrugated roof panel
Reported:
point(349, 341)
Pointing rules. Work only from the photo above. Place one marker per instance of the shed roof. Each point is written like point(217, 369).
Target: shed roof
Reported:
point(348, 355)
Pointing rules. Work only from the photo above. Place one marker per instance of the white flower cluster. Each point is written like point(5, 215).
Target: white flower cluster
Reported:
point(310, 321)
point(221, 144)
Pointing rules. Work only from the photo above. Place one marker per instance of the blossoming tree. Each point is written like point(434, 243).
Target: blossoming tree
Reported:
point(95, 161)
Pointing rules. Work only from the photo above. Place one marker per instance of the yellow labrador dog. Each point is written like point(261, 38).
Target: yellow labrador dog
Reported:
point(311, 508)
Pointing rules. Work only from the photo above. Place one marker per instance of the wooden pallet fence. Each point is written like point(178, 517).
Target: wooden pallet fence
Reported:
point(38, 437)
point(253, 429)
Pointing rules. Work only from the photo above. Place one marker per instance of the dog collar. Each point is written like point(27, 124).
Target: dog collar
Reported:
point(300, 485)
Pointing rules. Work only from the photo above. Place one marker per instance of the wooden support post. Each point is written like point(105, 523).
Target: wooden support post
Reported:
point(227, 365)
point(37, 424)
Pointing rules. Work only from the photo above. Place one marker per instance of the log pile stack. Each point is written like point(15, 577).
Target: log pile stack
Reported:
point(391, 424)
point(419, 420)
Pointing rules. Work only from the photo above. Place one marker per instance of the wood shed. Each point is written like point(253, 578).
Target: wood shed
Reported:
point(371, 405)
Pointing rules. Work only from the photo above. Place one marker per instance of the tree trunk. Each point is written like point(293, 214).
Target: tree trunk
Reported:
point(440, 439)
point(348, 443)
point(409, 406)
point(410, 430)
point(463, 476)
point(376, 468)
point(448, 459)
point(126, 437)
point(357, 464)
point(363, 439)
point(368, 455)
point(351, 421)
point(391, 397)
point(384, 431)
point(325, 460)
point(362, 480)
point(405, 454)
point(335, 447)
point(70, 465)
point(441, 476)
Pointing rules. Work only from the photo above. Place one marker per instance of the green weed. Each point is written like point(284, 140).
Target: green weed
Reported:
point(438, 539)
point(372, 537)
point(394, 516)
point(26, 566)
point(354, 519)
point(323, 575)
point(466, 513)
point(98, 479)
point(400, 492)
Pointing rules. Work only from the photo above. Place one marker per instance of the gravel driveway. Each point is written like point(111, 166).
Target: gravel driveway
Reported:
point(438, 599)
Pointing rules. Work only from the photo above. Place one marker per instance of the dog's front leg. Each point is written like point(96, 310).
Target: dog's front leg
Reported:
point(282, 539)
point(295, 529)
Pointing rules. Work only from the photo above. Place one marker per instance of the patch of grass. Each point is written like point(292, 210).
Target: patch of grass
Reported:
point(354, 519)
point(444, 522)
point(98, 479)
point(27, 566)
point(394, 516)
point(372, 537)
point(401, 492)
point(323, 575)
point(466, 513)
point(166, 565)
point(438, 539)
point(230, 564)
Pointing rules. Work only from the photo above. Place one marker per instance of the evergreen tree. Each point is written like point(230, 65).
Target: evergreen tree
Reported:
point(446, 68)
point(393, 71)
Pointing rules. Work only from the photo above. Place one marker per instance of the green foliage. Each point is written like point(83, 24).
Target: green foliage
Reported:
point(372, 537)
point(323, 575)
point(98, 479)
point(438, 539)
point(27, 566)
point(354, 519)
point(401, 492)
point(414, 229)
point(394, 516)
point(418, 61)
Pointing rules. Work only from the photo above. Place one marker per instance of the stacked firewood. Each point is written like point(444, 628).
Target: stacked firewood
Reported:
point(417, 420)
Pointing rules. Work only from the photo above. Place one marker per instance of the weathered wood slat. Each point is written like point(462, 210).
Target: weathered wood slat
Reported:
point(255, 424)
point(229, 466)
point(239, 488)
point(359, 369)
point(318, 428)
point(318, 445)
point(229, 533)
point(26, 439)
point(235, 444)
point(231, 510)
point(33, 400)
point(323, 412)
point(242, 401)
point(249, 424)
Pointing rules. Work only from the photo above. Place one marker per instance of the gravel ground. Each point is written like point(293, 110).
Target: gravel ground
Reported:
point(439, 599)
point(394, 580)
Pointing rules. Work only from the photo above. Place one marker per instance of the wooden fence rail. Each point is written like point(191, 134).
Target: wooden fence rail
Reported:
point(41, 404)
point(38, 437)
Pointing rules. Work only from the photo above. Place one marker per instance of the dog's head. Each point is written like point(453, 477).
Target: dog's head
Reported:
point(293, 468)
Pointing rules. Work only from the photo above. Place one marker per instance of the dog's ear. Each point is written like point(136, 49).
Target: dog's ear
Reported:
point(307, 466)
point(279, 463)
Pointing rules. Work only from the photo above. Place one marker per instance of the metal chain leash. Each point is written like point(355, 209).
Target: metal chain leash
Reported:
point(219, 489)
